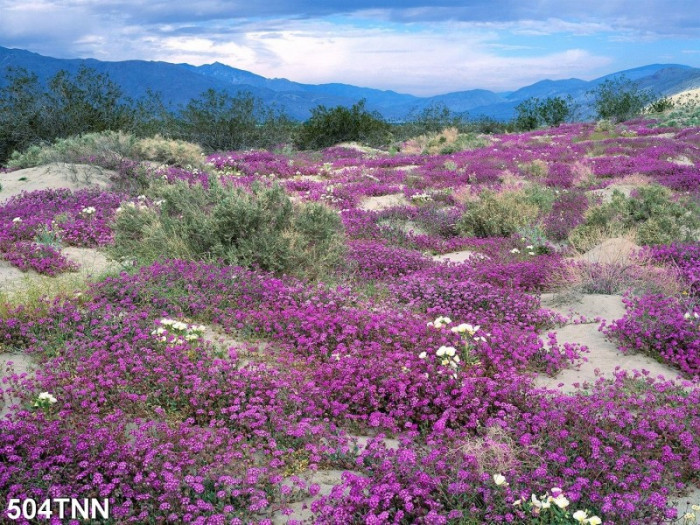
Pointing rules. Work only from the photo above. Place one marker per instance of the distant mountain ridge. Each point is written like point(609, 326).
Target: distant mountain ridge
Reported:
point(180, 83)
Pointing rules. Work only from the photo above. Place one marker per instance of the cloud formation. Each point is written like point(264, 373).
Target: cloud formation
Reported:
point(409, 46)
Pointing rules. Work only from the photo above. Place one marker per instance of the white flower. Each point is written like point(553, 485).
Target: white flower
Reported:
point(446, 350)
point(422, 355)
point(89, 210)
point(529, 247)
point(141, 197)
point(45, 396)
point(560, 501)
point(499, 479)
point(440, 322)
point(594, 520)
point(517, 502)
point(465, 327)
point(515, 250)
point(686, 316)
point(17, 220)
point(167, 322)
point(580, 516)
point(535, 502)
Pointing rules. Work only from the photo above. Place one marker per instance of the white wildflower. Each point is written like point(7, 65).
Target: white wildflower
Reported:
point(17, 220)
point(422, 355)
point(499, 479)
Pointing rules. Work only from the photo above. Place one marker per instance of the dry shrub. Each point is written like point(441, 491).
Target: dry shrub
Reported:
point(170, 151)
point(498, 215)
point(537, 168)
point(495, 452)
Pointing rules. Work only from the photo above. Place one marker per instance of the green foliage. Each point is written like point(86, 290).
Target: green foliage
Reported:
point(527, 114)
point(106, 149)
point(497, 215)
point(256, 228)
point(218, 121)
point(656, 218)
point(327, 127)
point(31, 114)
point(541, 196)
point(430, 120)
point(532, 113)
point(660, 105)
point(619, 99)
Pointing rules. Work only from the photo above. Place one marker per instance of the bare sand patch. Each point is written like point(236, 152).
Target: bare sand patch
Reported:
point(455, 257)
point(603, 357)
point(606, 193)
point(383, 202)
point(91, 261)
point(55, 175)
point(21, 364)
point(589, 306)
point(615, 250)
point(603, 360)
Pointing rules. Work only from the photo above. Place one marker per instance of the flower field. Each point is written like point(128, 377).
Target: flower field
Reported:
point(392, 373)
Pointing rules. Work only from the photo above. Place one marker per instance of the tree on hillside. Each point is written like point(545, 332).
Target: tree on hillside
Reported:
point(619, 99)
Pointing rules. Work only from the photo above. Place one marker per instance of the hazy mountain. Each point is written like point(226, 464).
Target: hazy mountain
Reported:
point(179, 83)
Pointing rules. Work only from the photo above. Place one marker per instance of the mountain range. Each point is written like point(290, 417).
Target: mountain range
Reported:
point(179, 83)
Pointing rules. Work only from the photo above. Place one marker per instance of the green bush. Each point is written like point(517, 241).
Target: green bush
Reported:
point(651, 213)
point(256, 228)
point(107, 149)
point(327, 127)
point(619, 99)
point(497, 215)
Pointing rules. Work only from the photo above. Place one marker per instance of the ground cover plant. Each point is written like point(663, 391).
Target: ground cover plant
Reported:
point(284, 316)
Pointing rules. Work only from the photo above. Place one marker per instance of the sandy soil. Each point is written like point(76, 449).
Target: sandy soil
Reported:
point(383, 202)
point(617, 250)
point(21, 364)
point(56, 175)
point(603, 356)
point(454, 257)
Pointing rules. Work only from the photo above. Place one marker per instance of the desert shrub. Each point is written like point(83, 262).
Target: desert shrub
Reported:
point(253, 228)
point(107, 149)
point(651, 213)
point(541, 196)
point(219, 122)
point(327, 127)
point(169, 151)
point(497, 215)
point(538, 168)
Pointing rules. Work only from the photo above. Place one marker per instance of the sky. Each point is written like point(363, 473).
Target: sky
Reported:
point(410, 46)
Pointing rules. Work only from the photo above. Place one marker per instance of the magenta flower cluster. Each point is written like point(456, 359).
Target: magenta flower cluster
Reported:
point(33, 225)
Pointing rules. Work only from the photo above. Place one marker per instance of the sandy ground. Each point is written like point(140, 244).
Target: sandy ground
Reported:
point(454, 257)
point(603, 356)
point(383, 202)
point(612, 251)
point(56, 175)
point(686, 96)
point(21, 364)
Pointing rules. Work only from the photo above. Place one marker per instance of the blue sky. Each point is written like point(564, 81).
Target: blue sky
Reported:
point(409, 46)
